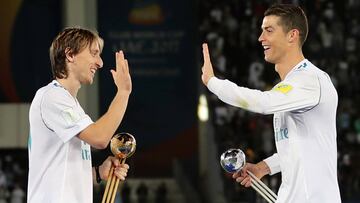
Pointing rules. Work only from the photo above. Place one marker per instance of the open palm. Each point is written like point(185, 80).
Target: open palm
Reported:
point(207, 69)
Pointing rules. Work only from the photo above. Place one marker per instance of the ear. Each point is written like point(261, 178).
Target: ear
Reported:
point(69, 55)
point(293, 35)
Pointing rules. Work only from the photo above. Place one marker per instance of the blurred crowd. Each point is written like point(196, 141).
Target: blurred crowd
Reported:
point(232, 28)
point(13, 176)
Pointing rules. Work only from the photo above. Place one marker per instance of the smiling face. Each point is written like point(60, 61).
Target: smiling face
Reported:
point(273, 39)
point(74, 53)
point(284, 31)
point(85, 64)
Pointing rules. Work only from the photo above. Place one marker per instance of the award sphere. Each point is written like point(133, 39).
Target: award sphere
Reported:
point(123, 145)
point(232, 160)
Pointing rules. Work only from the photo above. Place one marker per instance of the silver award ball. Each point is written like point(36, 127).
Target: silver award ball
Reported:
point(232, 160)
point(123, 145)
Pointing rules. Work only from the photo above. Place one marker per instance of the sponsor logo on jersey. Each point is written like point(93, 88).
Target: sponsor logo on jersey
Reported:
point(85, 151)
point(281, 133)
point(283, 88)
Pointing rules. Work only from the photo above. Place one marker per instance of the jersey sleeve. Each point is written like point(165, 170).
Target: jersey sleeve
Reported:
point(299, 93)
point(273, 163)
point(62, 114)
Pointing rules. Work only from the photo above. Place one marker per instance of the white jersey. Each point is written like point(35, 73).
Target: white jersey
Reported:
point(60, 168)
point(304, 107)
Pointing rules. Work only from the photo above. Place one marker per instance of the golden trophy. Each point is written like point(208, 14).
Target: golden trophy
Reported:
point(122, 145)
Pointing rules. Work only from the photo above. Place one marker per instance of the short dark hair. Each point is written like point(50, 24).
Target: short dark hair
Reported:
point(70, 41)
point(291, 17)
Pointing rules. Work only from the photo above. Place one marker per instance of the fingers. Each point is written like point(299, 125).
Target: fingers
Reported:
point(122, 65)
point(113, 73)
point(242, 177)
point(120, 61)
point(115, 162)
point(126, 65)
point(236, 175)
point(245, 181)
point(207, 70)
point(121, 171)
point(244, 172)
point(206, 54)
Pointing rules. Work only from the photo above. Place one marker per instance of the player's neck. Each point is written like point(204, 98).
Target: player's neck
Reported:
point(70, 85)
point(287, 63)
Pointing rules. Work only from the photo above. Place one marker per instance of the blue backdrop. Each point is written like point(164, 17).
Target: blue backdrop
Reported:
point(158, 38)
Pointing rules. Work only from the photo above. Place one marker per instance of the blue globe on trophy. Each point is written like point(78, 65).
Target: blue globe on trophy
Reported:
point(232, 160)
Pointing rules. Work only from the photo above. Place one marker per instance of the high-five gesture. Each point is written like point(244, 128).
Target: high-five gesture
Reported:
point(121, 75)
point(207, 69)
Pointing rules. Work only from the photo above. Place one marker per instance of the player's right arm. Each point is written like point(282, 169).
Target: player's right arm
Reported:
point(100, 132)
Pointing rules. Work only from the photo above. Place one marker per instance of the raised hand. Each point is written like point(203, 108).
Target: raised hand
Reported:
point(121, 75)
point(207, 69)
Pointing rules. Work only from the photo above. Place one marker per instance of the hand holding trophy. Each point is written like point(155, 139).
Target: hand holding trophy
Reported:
point(233, 160)
point(122, 145)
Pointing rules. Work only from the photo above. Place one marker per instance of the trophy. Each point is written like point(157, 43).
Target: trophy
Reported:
point(122, 145)
point(233, 160)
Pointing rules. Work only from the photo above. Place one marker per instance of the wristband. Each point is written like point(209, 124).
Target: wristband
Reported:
point(97, 174)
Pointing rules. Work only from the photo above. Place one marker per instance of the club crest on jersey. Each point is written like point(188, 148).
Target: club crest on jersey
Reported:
point(283, 88)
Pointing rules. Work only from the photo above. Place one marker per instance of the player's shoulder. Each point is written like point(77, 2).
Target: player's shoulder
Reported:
point(54, 92)
point(304, 71)
point(305, 67)
point(304, 75)
point(45, 90)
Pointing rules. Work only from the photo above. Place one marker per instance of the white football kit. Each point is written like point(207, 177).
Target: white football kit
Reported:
point(304, 106)
point(60, 168)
